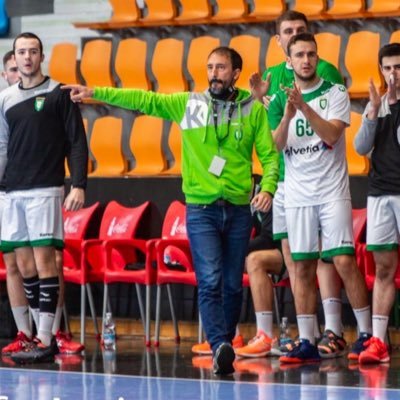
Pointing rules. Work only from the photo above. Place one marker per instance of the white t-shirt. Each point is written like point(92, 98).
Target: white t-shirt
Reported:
point(315, 173)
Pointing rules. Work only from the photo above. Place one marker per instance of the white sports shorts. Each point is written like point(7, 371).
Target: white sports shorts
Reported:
point(331, 223)
point(279, 228)
point(383, 222)
point(33, 218)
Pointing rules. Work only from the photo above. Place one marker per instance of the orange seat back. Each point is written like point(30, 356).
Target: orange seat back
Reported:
point(96, 63)
point(63, 63)
point(105, 145)
point(146, 146)
point(167, 66)
point(130, 69)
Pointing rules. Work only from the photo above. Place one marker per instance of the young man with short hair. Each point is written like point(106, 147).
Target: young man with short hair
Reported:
point(40, 127)
point(308, 122)
point(379, 135)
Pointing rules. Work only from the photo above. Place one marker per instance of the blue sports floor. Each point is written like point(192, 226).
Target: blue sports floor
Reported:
point(174, 373)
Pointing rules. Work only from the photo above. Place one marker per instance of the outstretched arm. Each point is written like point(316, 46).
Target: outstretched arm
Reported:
point(79, 92)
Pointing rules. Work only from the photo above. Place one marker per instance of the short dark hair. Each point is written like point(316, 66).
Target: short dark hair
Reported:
point(301, 37)
point(289, 15)
point(232, 54)
point(389, 50)
point(8, 56)
point(29, 35)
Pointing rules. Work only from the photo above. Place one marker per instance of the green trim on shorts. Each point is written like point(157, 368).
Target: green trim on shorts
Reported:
point(382, 247)
point(8, 246)
point(305, 256)
point(57, 243)
point(280, 236)
point(339, 251)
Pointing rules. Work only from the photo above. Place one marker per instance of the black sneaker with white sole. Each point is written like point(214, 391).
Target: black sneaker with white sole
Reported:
point(36, 352)
point(223, 360)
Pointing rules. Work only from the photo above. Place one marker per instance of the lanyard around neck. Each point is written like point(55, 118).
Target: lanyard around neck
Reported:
point(215, 117)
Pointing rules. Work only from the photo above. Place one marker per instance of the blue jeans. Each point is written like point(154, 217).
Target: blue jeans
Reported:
point(219, 238)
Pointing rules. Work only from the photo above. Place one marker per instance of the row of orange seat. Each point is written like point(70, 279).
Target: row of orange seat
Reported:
point(126, 13)
point(358, 57)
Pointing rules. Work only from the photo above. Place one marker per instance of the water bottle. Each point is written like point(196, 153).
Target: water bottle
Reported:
point(109, 333)
point(284, 336)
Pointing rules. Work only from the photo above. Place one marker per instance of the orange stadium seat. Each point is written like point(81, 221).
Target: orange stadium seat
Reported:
point(384, 7)
point(96, 63)
point(167, 66)
point(357, 164)
point(275, 54)
point(132, 70)
point(63, 63)
point(395, 37)
point(346, 9)
point(159, 11)
point(251, 62)
point(145, 143)
point(230, 10)
point(311, 8)
point(329, 47)
point(266, 10)
point(199, 50)
point(175, 145)
point(193, 10)
point(361, 60)
point(105, 144)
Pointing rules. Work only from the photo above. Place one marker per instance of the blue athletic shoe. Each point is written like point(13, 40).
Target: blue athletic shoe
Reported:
point(302, 353)
point(358, 346)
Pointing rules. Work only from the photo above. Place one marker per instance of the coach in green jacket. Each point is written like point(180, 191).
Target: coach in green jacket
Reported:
point(219, 127)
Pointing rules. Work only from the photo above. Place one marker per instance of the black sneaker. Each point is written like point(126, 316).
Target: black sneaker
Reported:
point(223, 360)
point(358, 346)
point(36, 352)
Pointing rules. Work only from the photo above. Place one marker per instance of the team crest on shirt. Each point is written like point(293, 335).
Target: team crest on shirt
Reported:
point(39, 103)
point(323, 103)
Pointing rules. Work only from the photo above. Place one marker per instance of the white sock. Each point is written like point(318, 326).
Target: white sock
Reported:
point(363, 317)
point(36, 317)
point(317, 333)
point(44, 331)
point(57, 320)
point(379, 326)
point(237, 333)
point(333, 315)
point(265, 322)
point(305, 323)
point(21, 318)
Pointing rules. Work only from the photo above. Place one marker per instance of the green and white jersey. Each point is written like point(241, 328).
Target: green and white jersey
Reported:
point(316, 172)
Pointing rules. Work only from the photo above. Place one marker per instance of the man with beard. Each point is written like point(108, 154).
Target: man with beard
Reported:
point(219, 129)
point(309, 120)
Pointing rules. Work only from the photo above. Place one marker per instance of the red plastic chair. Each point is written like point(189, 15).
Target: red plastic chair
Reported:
point(175, 243)
point(359, 228)
point(121, 255)
point(75, 226)
point(3, 271)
